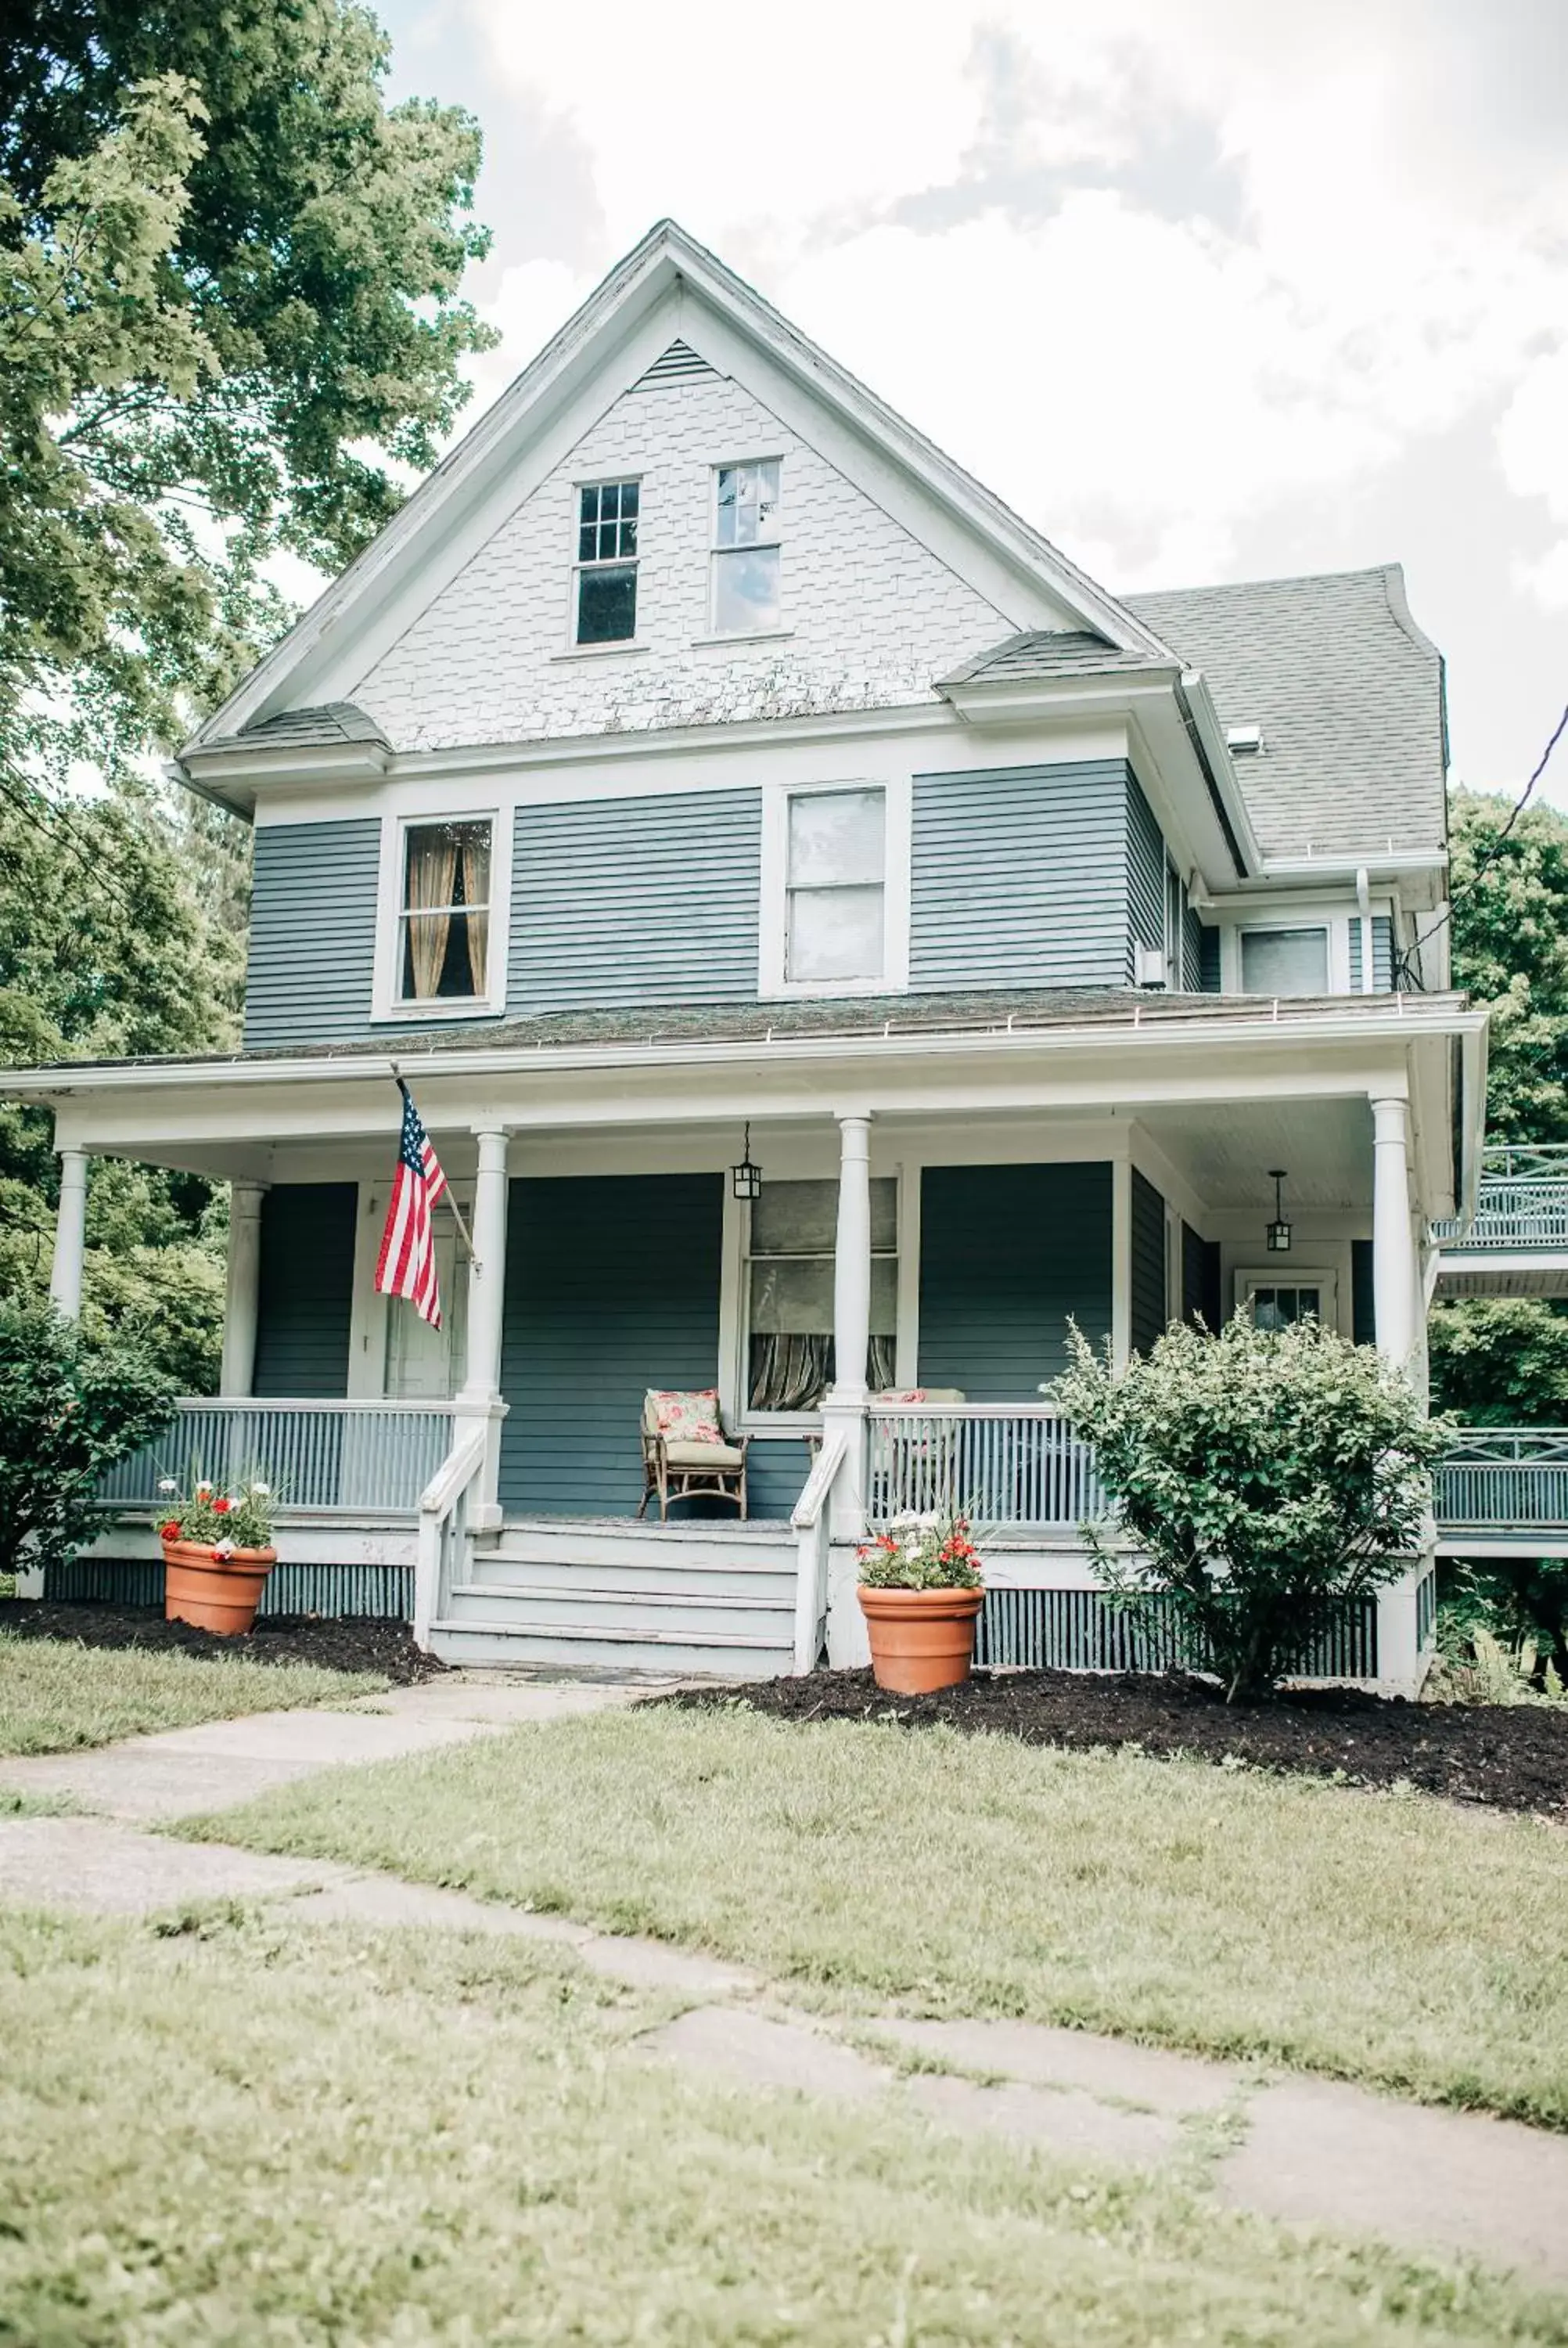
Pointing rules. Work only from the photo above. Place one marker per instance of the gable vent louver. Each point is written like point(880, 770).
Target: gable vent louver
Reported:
point(676, 364)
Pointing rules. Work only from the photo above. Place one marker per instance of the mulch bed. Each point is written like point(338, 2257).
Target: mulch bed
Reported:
point(1505, 1757)
point(348, 1642)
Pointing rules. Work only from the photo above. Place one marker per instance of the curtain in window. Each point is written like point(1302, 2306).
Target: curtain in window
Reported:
point(432, 871)
point(477, 892)
point(793, 1371)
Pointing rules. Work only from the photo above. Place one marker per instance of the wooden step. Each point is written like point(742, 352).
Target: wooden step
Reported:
point(630, 1612)
point(595, 1646)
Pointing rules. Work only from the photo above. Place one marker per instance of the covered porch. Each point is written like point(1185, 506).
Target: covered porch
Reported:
point(925, 1227)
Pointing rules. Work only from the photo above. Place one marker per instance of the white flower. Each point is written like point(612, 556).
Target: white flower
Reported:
point(203, 1490)
point(261, 1491)
point(223, 1548)
point(167, 1484)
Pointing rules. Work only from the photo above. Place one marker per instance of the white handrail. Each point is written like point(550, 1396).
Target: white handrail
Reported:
point(811, 1517)
point(443, 1526)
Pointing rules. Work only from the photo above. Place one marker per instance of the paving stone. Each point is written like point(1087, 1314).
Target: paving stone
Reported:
point(508, 1700)
point(386, 1900)
point(653, 1964)
point(1059, 2119)
point(743, 2045)
point(107, 1868)
point(1448, 2181)
point(1047, 2057)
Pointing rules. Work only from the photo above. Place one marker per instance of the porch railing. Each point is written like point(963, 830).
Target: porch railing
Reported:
point(1504, 1479)
point(1007, 1463)
point(1522, 1201)
point(320, 1457)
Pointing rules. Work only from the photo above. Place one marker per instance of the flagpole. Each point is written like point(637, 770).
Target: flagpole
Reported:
point(446, 1191)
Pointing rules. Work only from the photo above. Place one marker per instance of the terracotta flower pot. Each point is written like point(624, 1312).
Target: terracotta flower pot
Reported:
point(215, 1593)
point(920, 1639)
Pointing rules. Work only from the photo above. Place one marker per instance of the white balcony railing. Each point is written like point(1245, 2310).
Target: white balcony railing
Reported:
point(1502, 1480)
point(1006, 1462)
point(1522, 1201)
point(320, 1457)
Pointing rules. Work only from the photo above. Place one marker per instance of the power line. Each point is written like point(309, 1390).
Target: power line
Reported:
point(1404, 960)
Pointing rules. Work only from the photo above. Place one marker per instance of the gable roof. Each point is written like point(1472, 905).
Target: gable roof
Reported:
point(1349, 696)
point(334, 721)
point(666, 269)
point(1051, 652)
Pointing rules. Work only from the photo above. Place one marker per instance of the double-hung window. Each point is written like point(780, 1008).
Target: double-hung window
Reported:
point(604, 578)
point(444, 914)
point(836, 886)
point(787, 1293)
point(1284, 962)
point(746, 556)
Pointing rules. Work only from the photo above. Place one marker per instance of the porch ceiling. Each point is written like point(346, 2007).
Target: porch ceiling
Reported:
point(1225, 1151)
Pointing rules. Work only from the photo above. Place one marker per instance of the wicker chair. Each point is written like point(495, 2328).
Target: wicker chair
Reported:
point(678, 1467)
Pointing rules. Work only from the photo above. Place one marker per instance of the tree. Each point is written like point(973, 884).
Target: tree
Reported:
point(1510, 942)
point(228, 317)
point(1500, 1361)
point(68, 1410)
point(1268, 1476)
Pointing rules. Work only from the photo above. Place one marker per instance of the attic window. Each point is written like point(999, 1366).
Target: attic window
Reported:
point(746, 549)
point(1243, 741)
point(604, 574)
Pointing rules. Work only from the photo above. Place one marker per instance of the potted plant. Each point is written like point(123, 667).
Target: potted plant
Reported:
point(217, 1553)
point(920, 1592)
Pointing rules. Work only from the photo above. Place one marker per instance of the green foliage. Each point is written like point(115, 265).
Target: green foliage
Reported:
point(68, 1410)
point(238, 1515)
point(1520, 1603)
point(922, 1552)
point(1511, 954)
point(1500, 1361)
point(229, 315)
point(1268, 1476)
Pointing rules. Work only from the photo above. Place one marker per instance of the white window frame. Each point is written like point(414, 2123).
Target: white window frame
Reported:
point(387, 1004)
point(1284, 1272)
point(734, 1312)
point(897, 802)
point(634, 642)
point(715, 552)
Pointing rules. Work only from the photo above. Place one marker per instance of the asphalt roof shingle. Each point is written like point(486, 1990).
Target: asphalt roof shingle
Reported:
point(1349, 694)
point(332, 721)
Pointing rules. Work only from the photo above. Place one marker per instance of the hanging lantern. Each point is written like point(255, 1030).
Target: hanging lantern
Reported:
point(745, 1178)
point(1279, 1229)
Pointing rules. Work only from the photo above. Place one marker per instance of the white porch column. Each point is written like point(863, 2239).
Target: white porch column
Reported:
point(70, 1235)
point(237, 1375)
point(843, 1406)
point(480, 1396)
point(1393, 1247)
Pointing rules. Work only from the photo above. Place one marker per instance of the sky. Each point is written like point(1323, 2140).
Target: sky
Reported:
point(1206, 289)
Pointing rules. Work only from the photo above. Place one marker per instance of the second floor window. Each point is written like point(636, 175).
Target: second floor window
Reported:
point(1284, 962)
point(445, 946)
point(605, 578)
point(836, 886)
point(746, 549)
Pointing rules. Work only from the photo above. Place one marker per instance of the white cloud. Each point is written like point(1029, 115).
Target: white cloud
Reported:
point(1533, 448)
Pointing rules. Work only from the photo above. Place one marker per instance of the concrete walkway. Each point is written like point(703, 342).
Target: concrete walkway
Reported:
point(1296, 2149)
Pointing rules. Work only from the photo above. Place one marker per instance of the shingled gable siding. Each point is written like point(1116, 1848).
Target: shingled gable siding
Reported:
point(312, 932)
point(1382, 954)
point(1148, 1266)
point(1007, 1252)
point(621, 901)
point(306, 1289)
point(1022, 876)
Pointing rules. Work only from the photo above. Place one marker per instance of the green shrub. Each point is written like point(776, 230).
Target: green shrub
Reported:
point(68, 1410)
point(1500, 1361)
point(1268, 1476)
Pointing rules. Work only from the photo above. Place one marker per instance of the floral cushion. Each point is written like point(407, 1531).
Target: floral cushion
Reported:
point(683, 1417)
point(904, 1393)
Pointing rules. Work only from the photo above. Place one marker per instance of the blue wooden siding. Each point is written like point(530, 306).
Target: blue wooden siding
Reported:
point(1145, 877)
point(1147, 1294)
point(1020, 876)
point(1201, 1279)
point(621, 901)
point(312, 932)
point(1209, 961)
point(1007, 1252)
point(1193, 936)
point(1382, 954)
point(612, 1286)
point(305, 1299)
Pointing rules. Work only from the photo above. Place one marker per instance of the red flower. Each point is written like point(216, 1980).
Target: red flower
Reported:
point(171, 1531)
point(221, 1507)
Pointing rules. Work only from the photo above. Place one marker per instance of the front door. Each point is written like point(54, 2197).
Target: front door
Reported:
point(422, 1364)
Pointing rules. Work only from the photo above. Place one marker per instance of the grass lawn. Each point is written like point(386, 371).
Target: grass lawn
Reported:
point(250, 2131)
point(1390, 1938)
point(55, 1695)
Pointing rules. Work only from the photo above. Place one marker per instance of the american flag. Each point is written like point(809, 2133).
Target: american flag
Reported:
point(406, 1264)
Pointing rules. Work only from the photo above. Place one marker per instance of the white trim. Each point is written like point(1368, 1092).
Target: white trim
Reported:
point(385, 1004)
point(898, 832)
point(1334, 914)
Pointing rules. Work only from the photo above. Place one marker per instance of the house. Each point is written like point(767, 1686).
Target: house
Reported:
point(703, 772)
